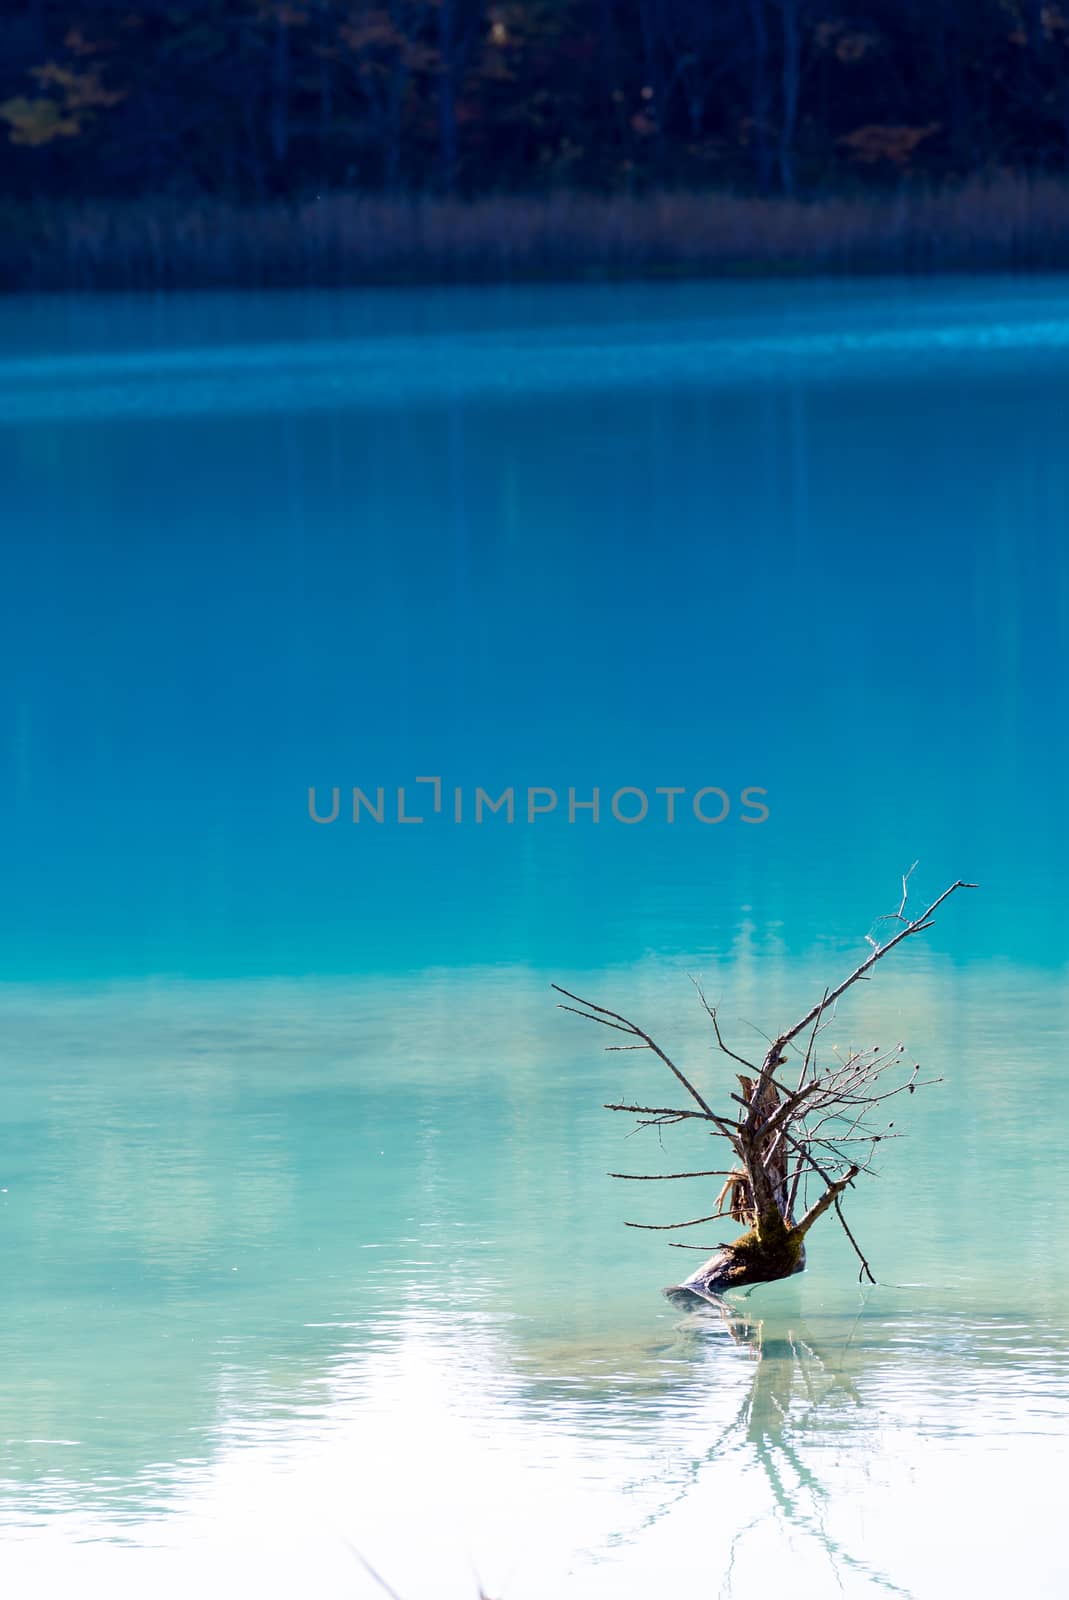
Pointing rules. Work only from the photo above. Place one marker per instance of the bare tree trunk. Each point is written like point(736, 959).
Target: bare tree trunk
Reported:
point(395, 111)
point(249, 96)
point(791, 82)
point(280, 100)
point(651, 23)
point(447, 94)
point(773, 1248)
point(759, 93)
point(326, 94)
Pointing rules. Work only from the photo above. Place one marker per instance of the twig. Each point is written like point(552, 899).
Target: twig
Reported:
point(812, 1040)
point(716, 1029)
point(878, 953)
point(667, 1227)
point(866, 1270)
point(631, 1027)
point(663, 1111)
point(665, 1177)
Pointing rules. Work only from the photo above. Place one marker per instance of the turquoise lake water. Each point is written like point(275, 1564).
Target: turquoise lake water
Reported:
point(307, 1239)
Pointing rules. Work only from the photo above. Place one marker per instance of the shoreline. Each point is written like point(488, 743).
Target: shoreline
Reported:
point(345, 240)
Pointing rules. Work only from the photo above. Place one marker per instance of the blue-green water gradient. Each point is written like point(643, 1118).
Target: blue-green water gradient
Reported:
point(307, 1236)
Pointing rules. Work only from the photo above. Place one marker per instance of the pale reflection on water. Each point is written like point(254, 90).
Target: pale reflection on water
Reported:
point(297, 1266)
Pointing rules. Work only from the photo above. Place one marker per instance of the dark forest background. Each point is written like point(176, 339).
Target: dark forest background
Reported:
point(255, 100)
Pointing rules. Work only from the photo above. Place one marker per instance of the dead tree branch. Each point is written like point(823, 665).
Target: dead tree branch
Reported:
point(782, 1131)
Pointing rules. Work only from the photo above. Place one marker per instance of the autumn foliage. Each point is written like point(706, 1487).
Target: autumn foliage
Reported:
point(288, 99)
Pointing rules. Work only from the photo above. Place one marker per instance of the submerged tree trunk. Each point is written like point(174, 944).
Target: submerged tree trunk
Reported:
point(773, 1245)
point(771, 1249)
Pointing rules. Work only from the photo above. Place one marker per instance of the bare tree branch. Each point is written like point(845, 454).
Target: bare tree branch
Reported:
point(665, 1177)
point(716, 1029)
point(866, 1270)
point(668, 1111)
point(828, 1198)
point(878, 953)
point(668, 1227)
point(631, 1027)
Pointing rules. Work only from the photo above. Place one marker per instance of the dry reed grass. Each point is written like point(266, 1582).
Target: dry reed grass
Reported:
point(1002, 224)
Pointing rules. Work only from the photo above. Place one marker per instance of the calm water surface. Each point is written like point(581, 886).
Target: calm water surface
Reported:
point(307, 1240)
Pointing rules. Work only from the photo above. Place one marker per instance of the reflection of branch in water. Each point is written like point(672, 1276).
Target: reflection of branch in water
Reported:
point(770, 1420)
point(387, 1588)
